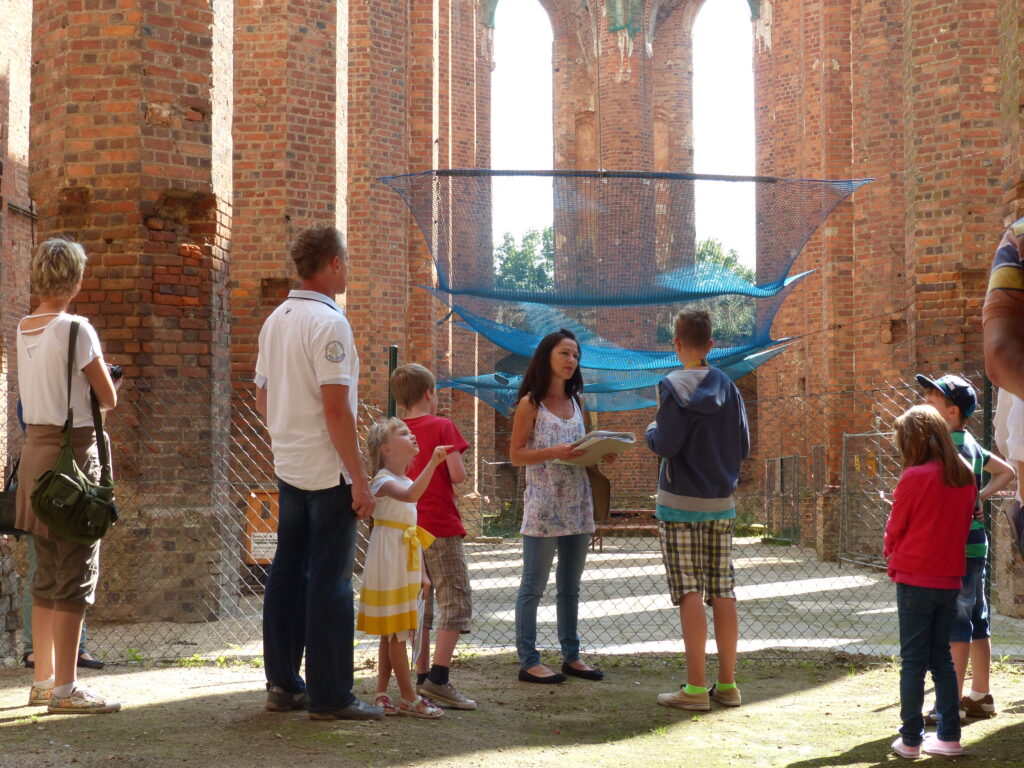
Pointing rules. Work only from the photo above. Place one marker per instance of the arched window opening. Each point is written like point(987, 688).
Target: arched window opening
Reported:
point(522, 132)
point(723, 124)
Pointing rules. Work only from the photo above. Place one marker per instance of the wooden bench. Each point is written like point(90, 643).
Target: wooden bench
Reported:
point(633, 522)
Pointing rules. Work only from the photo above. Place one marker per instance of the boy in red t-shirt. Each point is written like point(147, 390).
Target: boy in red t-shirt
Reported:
point(445, 560)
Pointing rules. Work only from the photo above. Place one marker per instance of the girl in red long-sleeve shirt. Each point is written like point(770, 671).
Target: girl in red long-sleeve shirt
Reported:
point(924, 546)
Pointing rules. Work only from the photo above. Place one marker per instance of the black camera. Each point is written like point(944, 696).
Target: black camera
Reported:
point(116, 371)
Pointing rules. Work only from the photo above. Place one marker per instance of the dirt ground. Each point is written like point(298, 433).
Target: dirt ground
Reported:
point(811, 712)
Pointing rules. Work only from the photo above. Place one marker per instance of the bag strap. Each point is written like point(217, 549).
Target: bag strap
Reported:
point(97, 419)
point(72, 342)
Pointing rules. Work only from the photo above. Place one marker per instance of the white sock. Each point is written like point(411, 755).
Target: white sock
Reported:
point(975, 696)
point(47, 683)
point(63, 691)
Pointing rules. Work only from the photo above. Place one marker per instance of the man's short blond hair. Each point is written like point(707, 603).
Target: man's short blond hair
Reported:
point(692, 327)
point(410, 383)
point(57, 268)
point(314, 247)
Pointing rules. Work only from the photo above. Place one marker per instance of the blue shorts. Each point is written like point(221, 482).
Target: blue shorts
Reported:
point(971, 622)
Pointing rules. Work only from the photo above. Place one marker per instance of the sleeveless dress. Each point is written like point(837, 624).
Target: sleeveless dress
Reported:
point(391, 576)
point(557, 501)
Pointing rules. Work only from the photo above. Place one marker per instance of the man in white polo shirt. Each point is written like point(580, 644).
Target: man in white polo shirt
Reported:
point(307, 374)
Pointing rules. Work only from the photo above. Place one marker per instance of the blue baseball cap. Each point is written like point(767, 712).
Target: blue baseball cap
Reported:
point(956, 389)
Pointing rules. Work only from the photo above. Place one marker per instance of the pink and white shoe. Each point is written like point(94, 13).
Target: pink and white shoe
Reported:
point(901, 749)
point(933, 746)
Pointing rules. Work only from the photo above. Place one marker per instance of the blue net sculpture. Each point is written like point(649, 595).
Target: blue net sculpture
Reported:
point(611, 256)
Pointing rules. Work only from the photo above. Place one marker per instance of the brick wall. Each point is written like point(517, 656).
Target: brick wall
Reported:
point(129, 159)
point(908, 95)
point(15, 252)
point(164, 135)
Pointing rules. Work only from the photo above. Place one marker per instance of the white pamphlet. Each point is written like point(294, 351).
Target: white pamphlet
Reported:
point(599, 444)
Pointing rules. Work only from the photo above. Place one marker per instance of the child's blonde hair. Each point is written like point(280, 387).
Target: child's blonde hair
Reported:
point(922, 436)
point(410, 382)
point(377, 438)
point(57, 267)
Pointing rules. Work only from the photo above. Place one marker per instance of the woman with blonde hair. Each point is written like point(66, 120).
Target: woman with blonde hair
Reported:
point(66, 571)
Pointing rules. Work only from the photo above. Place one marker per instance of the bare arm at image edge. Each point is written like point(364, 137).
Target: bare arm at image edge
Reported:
point(1003, 317)
point(341, 426)
point(261, 401)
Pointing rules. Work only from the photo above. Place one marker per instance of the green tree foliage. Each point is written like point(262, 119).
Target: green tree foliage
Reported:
point(527, 266)
point(733, 317)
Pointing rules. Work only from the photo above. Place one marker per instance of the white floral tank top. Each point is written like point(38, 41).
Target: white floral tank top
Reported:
point(557, 500)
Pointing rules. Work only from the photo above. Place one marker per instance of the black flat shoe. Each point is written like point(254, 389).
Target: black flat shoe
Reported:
point(526, 677)
point(586, 674)
point(85, 663)
point(29, 663)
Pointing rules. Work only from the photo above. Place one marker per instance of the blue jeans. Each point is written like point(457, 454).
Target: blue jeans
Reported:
point(926, 618)
point(971, 622)
point(308, 599)
point(538, 552)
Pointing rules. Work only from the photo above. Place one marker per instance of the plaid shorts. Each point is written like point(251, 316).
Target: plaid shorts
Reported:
point(449, 580)
point(698, 558)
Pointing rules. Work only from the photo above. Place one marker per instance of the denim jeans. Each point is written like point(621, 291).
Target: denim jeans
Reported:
point(971, 622)
point(308, 599)
point(26, 603)
point(926, 618)
point(538, 552)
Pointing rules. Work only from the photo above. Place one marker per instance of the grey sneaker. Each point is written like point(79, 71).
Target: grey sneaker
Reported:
point(280, 700)
point(446, 695)
point(39, 696)
point(357, 710)
point(81, 702)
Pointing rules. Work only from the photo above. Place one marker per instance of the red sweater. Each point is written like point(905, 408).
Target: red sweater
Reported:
point(927, 528)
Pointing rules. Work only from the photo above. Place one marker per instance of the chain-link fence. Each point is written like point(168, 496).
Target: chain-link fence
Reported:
point(183, 572)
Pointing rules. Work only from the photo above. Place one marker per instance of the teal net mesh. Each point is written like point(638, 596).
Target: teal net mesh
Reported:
point(612, 256)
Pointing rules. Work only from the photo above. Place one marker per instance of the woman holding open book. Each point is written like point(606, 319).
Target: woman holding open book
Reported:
point(558, 511)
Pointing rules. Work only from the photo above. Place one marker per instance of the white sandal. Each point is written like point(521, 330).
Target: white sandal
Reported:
point(411, 709)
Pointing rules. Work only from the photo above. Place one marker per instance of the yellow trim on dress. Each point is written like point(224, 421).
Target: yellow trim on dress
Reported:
point(382, 598)
point(413, 537)
point(387, 625)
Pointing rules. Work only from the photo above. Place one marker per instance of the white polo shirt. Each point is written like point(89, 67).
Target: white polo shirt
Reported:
point(305, 343)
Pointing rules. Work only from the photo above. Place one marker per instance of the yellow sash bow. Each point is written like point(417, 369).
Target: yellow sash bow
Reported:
point(413, 537)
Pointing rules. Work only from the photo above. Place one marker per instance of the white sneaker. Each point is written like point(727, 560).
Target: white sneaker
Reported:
point(933, 746)
point(81, 702)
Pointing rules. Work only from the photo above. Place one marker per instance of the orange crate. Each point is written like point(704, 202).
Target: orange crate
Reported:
point(261, 527)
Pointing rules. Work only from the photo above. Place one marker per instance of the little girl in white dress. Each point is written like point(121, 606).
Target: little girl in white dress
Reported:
point(393, 573)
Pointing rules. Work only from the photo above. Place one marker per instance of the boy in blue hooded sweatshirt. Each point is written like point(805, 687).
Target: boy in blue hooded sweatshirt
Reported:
point(700, 433)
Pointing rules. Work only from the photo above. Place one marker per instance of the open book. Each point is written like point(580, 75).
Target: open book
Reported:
point(598, 444)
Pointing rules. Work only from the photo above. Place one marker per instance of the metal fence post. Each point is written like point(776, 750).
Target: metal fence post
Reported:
point(392, 364)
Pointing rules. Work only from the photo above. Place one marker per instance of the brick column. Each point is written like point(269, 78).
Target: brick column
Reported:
point(131, 157)
point(289, 104)
point(378, 145)
point(804, 81)
point(1011, 89)
point(951, 149)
